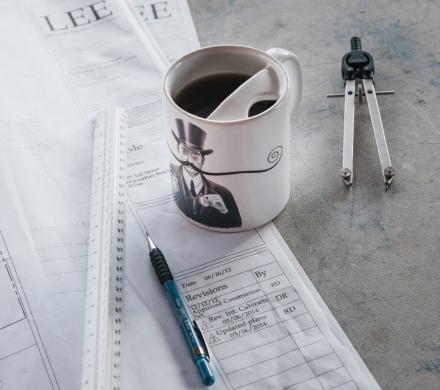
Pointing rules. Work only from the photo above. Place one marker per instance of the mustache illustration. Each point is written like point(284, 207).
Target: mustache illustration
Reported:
point(273, 158)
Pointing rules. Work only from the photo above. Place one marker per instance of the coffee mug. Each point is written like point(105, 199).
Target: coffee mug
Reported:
point(232, 175)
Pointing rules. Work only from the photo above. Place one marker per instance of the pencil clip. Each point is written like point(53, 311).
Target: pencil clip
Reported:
point(202, 339)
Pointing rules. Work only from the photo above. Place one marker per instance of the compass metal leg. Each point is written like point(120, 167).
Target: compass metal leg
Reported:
point(387, 170)
point(347, 157)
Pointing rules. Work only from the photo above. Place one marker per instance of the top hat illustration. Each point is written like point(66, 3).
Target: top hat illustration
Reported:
point(192, 136)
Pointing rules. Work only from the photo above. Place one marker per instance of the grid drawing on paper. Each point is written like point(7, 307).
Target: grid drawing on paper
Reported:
point(22, 346)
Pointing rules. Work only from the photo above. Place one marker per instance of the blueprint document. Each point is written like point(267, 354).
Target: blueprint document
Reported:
point(266, 326)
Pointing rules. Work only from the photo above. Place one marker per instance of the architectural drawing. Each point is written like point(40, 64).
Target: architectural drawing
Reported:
point(23, 354)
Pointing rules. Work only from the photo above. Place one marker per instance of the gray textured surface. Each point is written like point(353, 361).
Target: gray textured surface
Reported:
point(374, 257)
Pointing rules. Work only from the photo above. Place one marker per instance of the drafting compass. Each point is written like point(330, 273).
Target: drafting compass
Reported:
point(357, 72)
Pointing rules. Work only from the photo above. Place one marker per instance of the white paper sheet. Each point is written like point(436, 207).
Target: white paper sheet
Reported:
point(171, 24)
point(265, 323)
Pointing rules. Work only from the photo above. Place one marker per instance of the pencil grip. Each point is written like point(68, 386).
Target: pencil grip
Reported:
point(356, 43)
point(160, 266)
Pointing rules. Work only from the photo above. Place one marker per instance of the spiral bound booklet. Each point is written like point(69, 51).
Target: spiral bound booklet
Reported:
point(103, 312)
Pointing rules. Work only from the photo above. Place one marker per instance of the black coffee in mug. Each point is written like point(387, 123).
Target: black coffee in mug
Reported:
point(202, 96)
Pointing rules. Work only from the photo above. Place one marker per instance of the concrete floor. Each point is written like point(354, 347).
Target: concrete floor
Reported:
point(373, 256)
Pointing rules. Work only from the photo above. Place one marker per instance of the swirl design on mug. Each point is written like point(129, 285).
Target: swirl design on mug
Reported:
point(273, 158)
point(275, 155)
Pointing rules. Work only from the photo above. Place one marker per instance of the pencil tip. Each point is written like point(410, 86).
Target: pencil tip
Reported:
point(151, 244)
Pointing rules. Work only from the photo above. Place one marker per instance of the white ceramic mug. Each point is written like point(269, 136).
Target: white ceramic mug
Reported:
point(232, 175)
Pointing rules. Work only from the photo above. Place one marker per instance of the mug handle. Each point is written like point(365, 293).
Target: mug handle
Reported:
point(291, 64)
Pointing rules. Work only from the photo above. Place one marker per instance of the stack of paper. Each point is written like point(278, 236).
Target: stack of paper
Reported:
point(265, 323)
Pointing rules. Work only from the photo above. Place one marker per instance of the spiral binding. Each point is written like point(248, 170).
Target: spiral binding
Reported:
point(102, 337)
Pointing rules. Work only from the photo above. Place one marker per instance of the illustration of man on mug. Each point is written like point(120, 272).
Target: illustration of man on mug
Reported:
point(197, 197)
